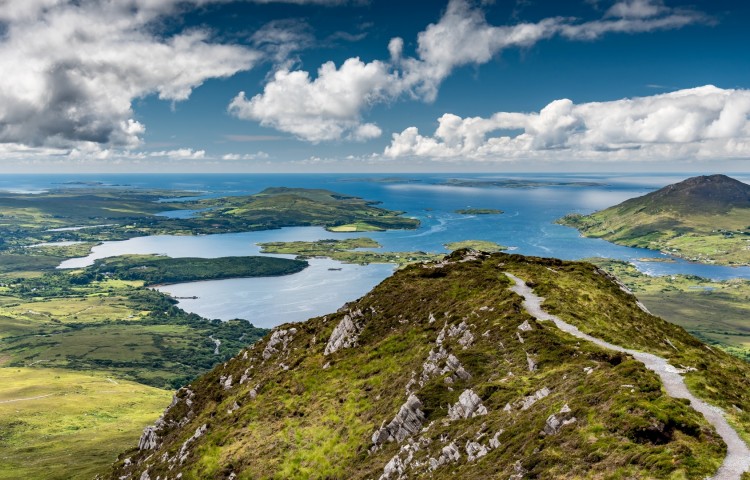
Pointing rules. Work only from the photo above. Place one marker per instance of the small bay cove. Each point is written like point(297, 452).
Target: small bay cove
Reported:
point(526, 226)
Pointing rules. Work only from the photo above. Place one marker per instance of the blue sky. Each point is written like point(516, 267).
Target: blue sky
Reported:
point(336, 85)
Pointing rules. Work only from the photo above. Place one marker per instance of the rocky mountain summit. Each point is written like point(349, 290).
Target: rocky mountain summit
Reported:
point(445, 371)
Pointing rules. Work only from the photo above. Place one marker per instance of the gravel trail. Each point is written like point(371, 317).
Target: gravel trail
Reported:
point(737, 460)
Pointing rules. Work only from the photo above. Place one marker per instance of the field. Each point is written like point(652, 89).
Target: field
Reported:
point(716, 312)
point(58, 424)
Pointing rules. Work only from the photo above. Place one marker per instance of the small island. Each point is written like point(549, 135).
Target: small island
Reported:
point(481, 245)
point(479, 211)
point(159, 269)
point(344, 251)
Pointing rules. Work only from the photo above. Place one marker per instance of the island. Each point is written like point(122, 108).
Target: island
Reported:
point(159, 269)
point(479, 211)
point(703, 219)
point(480, 245)
point(346, 251)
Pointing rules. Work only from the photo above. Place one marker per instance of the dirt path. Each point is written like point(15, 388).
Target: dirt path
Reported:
point(26, 399)
point(737, 460)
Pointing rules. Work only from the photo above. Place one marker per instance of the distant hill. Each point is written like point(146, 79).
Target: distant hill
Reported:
point(440, 372)
point(705, 218)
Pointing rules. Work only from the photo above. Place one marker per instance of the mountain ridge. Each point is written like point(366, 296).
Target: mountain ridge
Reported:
point(439, 372)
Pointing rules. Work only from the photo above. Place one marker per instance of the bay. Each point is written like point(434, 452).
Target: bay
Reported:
point(526, 226)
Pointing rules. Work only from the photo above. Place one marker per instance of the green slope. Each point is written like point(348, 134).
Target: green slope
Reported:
point(705, 219)
point(290, 407)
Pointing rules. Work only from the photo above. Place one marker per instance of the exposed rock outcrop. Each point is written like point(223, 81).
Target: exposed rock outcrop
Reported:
point(278, 342)
point(469, 405)
point(407, 422)
point(346, 333)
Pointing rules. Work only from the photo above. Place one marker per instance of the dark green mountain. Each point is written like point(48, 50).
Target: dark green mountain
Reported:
point(441, 372)
point(704, 218)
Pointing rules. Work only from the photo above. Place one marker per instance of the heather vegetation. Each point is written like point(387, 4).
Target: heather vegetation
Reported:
point(306, 401)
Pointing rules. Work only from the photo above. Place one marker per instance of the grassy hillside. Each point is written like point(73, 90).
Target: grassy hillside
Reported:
point(705, 219)
point(318, 399)
point(58, 424)
point(717, 312)
point(107, 213)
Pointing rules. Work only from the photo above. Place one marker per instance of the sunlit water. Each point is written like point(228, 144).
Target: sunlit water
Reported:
point(527, 226)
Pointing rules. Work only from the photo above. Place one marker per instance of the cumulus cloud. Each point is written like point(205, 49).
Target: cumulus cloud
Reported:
point(325, 108)
point(245, 156)
point(72, 68)
point(705, 122)
point(180, 153)
point(331, 105)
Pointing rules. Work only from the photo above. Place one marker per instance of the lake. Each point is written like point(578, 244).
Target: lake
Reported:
point(526, 226)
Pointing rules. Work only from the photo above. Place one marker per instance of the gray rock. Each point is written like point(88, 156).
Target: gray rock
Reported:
point(407, 422)
point(467, 339)
point(469, 405)
point(527, 402)
point(495, 441)
point(149, 439)
point(530, 361)
point(556, 421)
point(525, 326)
point(278, 342)
point(183, 453)
point(346, 333)
point(475, 450)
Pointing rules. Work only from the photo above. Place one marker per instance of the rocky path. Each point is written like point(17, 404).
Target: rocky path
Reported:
point(737, 460)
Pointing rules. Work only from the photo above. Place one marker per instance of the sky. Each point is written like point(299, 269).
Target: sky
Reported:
point(374, 86)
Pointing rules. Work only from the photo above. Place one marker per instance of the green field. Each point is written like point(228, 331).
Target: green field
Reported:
point(481, 245)
point(716, 312)
point(58, 424)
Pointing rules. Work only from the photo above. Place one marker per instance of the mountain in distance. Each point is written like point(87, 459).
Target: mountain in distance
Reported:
point(455, 369)
point(704, 219)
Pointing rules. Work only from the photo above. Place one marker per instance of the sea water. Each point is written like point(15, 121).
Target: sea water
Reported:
point(527, 226)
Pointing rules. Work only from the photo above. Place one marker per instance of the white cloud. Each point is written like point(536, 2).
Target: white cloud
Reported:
point(331, 105)
point(71, 69)
point(245, 156)
point(325, 108)
point(280, 40)
point(705, 122)
point(636, 9)
point(180, 153)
